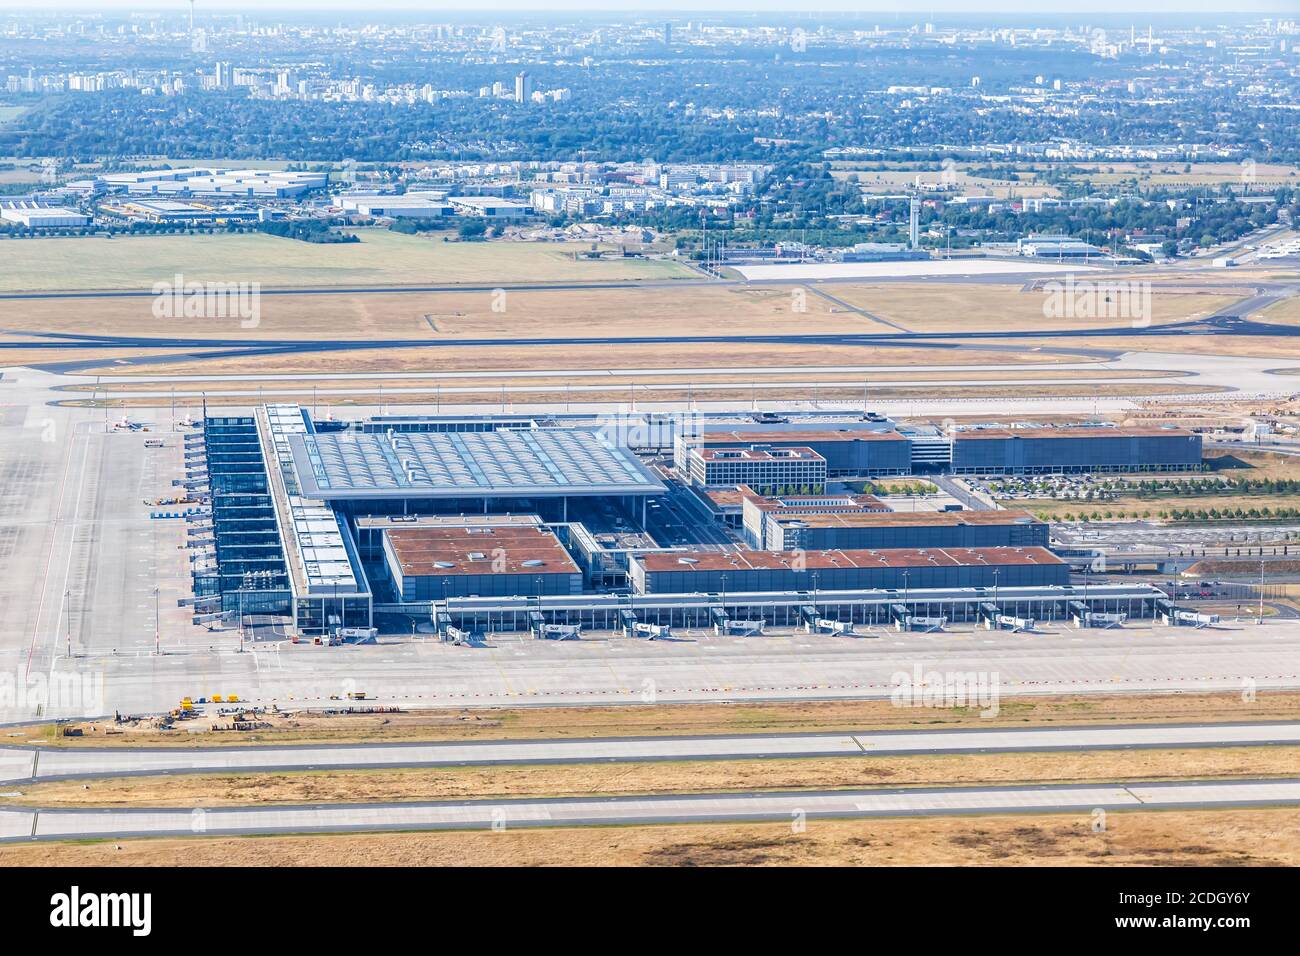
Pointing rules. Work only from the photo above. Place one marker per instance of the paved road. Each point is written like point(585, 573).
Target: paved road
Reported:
point(22, 764)
point(42, 824)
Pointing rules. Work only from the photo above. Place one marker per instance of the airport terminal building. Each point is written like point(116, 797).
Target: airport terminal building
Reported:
point(902, 529)
point(850, 449)
point(508, 521)
point(893, 569)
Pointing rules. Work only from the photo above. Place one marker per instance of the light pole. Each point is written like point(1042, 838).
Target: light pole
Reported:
point(157, 628)
point(67, 626)
point(1260, 618)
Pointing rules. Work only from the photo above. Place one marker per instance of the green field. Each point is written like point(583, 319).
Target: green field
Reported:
point(10, 113)
point(381, 258)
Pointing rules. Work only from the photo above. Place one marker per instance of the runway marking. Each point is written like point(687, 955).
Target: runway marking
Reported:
point(81, 481)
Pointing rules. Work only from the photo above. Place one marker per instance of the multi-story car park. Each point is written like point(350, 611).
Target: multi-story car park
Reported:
point(985, 451)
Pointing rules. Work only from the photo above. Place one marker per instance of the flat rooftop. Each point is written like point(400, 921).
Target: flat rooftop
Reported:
point(448, 521)
point(805, 435)
point(503, 549)
point(816, 504)
point(1140, 432)
point(506, 463)
point(759, 454)
point(907, 519)
point(818, 560)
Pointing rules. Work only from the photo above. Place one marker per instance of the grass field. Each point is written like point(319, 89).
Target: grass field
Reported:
point(895, 180)
point(1285, 312)
point(381, 258)
point(657, 778)
point(690, 309)
point(949, 307)
point(1254, 464)
point(1257, 837)
point(692, 719)
point(1055, 508)
point(493, 358)
point(1177, 174)
point(1205, 837)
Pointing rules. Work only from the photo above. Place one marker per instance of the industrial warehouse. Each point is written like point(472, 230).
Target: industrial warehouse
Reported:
point(552, 525)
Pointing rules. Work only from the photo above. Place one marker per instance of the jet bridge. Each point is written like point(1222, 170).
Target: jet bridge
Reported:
point(1084, 617)
point(993, 619)
point(558, 632)
point(905, 620)
point(1169, 613)
point(814, 623)
point(650, 631)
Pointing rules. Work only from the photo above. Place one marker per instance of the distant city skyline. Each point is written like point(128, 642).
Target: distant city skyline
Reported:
point(927, 11)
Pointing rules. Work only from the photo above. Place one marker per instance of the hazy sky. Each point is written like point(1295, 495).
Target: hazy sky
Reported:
point(919, 10)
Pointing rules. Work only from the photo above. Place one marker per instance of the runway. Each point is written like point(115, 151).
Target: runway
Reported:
point(44, 824)
point(1230, 375)
point(18, 764)
point(208, 349)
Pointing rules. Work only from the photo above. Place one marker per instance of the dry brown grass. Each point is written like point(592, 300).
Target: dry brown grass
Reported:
point(1259, 464)
point(1229, 499)
point(698, 719)
point(508, 358)
point(659, 778)
point(685, 310)
point(1257, 837)
point(1282, 348)
point(1285, 312)
point(949, 307)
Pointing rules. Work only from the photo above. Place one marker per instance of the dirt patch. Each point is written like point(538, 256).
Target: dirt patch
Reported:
point(660, 778)
point(1257, 837)
point(696, 719)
